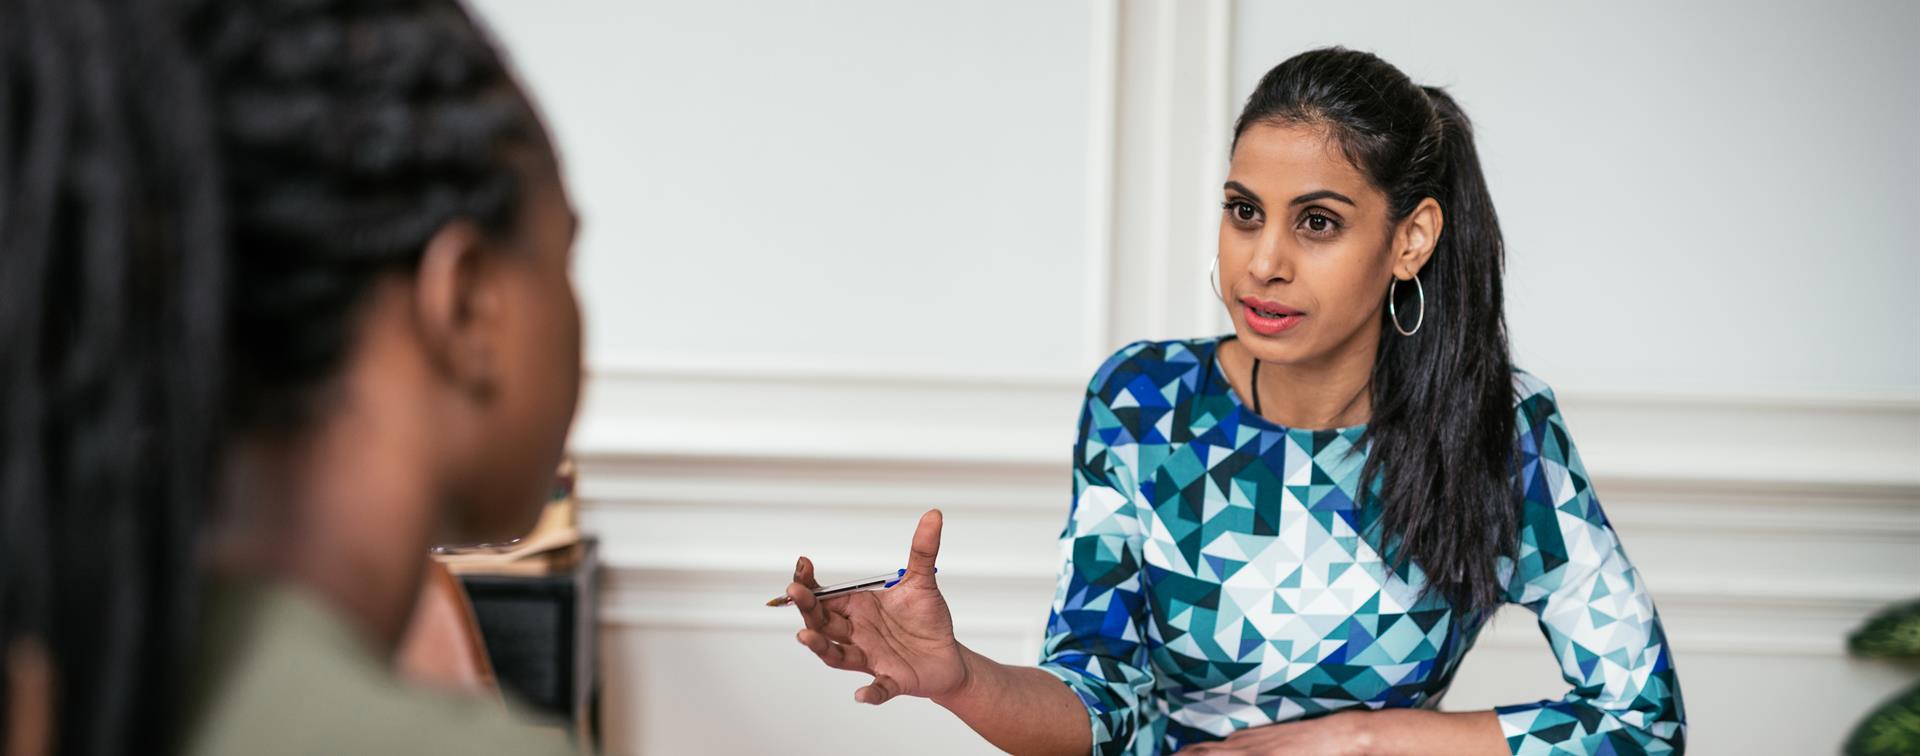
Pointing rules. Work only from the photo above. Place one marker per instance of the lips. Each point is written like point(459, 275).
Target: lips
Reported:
point(1269, 318)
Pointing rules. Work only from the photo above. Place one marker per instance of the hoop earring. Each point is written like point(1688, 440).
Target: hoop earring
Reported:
point(1213, 276)
point(1395, 315)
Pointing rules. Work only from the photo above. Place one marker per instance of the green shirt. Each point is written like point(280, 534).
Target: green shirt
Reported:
point(282, 675)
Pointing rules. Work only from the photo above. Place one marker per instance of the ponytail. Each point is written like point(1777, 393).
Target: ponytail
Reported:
point(1440, 465)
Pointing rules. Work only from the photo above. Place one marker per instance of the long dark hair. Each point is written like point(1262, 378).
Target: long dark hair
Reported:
point(1442, 429)
point(194, 197)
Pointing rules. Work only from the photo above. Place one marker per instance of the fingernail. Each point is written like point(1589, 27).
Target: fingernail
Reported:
point(796, 565)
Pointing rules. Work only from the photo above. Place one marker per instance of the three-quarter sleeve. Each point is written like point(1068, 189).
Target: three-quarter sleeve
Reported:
point(1095, 633)
point(1572, 573)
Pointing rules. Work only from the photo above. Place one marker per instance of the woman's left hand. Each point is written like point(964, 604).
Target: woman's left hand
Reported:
point(1341, 734)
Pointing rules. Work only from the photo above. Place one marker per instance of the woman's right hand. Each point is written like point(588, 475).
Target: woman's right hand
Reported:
point(902, 636)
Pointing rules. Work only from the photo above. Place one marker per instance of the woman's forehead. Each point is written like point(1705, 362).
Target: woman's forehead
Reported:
point(1276, 159)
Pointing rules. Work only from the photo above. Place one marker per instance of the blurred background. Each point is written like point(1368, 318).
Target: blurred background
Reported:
point(846, 261)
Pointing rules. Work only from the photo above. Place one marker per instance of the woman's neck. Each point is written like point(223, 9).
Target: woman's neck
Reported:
point(1334, 392)
point(343, 513)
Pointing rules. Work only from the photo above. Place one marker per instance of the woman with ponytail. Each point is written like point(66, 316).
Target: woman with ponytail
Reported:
point(1286, 539)
point(284, 299)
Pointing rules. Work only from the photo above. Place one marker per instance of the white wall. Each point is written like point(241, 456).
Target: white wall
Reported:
point(844, 261)
point(1697, 197)
point(848, 185)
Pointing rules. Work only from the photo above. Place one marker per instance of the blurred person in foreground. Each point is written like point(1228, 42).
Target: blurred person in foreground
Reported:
point(284, 299)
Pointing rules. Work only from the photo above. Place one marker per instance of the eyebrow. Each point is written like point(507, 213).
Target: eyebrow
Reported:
point(1323, 194)
point(1241, 188)
point(1300, 200)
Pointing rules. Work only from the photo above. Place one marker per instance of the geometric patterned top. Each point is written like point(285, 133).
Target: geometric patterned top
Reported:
point(1217, 575)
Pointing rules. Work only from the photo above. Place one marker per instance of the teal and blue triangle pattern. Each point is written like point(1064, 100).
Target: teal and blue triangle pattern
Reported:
point(1217, 574)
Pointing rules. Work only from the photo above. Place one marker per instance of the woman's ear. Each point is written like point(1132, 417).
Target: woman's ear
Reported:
point(1418, 234)
point(457, 307)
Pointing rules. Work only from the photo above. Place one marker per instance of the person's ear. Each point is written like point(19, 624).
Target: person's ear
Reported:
point(456, 304)
point(1418, 234)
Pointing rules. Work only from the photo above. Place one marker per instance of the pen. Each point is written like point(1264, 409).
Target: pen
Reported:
point(875, 583)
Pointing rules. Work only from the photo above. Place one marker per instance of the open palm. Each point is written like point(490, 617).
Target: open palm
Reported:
point(902, 636)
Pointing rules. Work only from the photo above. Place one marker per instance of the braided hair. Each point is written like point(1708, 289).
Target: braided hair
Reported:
point(1442, 432)
point(195, 197)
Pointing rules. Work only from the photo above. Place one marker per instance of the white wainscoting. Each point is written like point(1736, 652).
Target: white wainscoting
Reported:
point(1759, 556)
point(815, 160)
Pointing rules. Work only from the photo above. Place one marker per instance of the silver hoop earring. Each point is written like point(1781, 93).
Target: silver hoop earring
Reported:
point(1213, 276)
point(1392, 313)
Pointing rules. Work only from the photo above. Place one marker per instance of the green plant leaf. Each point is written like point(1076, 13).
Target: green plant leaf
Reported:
point(1893, 729)
point(1893, 632)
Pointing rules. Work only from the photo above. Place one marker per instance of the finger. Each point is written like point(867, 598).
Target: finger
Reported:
point(838, 627)
point(811, 612)
point(803, 574)
point(839, 618)
point(835, 655)
point(878, 692)
point(926, 549)
point(828, 616)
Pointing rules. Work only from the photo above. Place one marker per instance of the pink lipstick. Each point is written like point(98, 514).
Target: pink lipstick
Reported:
point(1270, 318)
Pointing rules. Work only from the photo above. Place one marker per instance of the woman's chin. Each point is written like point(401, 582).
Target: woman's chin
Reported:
point(1284, 348)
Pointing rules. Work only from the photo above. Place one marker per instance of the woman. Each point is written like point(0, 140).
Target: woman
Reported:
point(284, 299)
point(1285, 540)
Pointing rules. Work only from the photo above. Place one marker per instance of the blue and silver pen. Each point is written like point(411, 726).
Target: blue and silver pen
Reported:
point(875, 583)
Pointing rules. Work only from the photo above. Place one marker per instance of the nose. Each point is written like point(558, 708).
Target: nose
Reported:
point(1273, 258)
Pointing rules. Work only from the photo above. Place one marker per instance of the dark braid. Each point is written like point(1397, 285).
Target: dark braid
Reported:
point(351, 132)
point(194, 198)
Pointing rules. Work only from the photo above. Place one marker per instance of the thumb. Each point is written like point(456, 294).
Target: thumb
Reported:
point(926, 549)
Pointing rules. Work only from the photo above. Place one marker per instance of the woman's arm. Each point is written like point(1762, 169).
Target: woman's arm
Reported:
point(1415, 732)
point(1019, 709)
point(1090, 692)
point(1593, 607)
point(1099, 626)
point(1387, 732)
point(903, 637)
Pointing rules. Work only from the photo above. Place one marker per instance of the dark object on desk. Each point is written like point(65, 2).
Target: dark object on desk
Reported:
point(540, 635)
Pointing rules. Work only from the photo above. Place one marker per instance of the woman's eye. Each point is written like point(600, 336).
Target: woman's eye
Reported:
point(1243, 212)
point(1316, 223)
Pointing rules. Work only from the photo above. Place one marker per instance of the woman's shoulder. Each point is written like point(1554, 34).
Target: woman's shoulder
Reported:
point(1533, 400)
point(1142, 364)
point(1529, 387)
point(281, 674)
